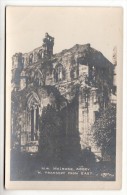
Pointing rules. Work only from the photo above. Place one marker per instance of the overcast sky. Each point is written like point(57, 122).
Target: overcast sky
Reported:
point(26, 27)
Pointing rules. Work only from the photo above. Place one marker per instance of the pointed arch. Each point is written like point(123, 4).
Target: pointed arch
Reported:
point(32, 99)
point(39, 71)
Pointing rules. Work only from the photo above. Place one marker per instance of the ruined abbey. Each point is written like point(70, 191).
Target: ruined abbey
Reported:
point(59, 96)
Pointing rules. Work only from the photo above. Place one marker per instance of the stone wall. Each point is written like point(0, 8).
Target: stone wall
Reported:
point(80, 76)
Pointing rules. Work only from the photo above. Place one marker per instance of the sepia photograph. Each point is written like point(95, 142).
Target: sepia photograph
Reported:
point(63, 97)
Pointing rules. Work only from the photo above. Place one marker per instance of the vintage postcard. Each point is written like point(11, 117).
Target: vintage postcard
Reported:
point(63, 98)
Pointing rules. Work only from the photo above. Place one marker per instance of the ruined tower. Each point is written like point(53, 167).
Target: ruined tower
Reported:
point(72, 82)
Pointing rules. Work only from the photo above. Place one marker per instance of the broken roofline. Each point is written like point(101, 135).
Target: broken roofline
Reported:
point(91, 55)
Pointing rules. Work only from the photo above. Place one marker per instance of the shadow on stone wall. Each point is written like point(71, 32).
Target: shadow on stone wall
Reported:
point(59, 142)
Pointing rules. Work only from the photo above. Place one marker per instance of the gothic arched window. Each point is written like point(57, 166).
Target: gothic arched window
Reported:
point(58, 73)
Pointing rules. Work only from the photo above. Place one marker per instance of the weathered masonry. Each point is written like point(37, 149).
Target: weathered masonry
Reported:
point(77, 82)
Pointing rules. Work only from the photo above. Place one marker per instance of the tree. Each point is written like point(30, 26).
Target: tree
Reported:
point(51, 135)
point(104, 131)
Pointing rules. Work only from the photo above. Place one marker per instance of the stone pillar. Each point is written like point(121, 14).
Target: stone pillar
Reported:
point(32, 124)
point(29, 126)
point(37, 122)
